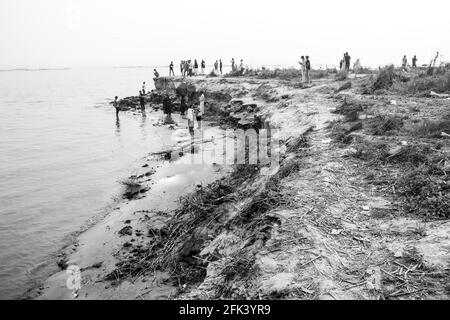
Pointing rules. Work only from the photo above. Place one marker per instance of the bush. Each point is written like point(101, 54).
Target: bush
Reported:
point(384, 78)
point(341, 76)
point(385, 124)
point(440, 83)
point(424, 194)
point(431, 129)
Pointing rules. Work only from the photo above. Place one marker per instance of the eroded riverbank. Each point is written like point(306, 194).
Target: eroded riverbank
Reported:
point(314, 227)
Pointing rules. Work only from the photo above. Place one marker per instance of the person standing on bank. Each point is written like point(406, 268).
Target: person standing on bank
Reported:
point(202, 64)
point(404, 63)
point(182, 67)
point(302, 63)
point(143, 87)
point(195, 67)
point(347, 62)
point(414, 62)
point(220, 65)
point(308, 69)
point(216, 68)
point(171, 72)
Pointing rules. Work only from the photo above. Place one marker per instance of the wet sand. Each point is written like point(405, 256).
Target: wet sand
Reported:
point(98, 249)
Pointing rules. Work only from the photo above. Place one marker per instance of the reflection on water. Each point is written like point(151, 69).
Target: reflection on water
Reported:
point(144, 125)
point(62, 153)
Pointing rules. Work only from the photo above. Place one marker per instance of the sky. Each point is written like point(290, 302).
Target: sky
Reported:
point(104, 33)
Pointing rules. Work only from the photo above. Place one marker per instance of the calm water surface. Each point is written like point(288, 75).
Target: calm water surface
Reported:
point(62, 154)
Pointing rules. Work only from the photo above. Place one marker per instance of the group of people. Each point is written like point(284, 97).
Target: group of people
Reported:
point(305, 65)
point(189, 68)
point(405, 62)
point(344, 64)
point(192, 112)
point(235, 67)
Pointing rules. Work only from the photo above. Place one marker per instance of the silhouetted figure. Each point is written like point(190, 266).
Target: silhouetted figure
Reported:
point(203, 65)
point(191, 67)
point(302, 64)
point(171, 72)
point(142, 101)
point(191, 122)
point(200, 111)
point(195, 67)
point(143, 87)
point(156, 73)
point(233, 66)
point(347, 59)
point(167, 109)
point(183, 106)
point(182, 68)
point(220, 65)
point(308, 69)
point(414, 62)
point(116, 105)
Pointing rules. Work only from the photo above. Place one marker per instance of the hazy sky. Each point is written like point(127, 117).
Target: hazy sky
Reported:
point(71, 33)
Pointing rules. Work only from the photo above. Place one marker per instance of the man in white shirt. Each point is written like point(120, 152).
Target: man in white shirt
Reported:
point(201, 111)
point(190, 114)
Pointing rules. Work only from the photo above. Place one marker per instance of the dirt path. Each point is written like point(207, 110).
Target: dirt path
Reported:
point(339, 238)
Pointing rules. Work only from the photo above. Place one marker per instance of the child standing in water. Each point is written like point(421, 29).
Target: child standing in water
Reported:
point(201, 111)
point(116, 105)
point(190, 114)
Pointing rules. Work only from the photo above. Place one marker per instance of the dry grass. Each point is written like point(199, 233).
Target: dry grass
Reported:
point(439, 83)
point(431, 129)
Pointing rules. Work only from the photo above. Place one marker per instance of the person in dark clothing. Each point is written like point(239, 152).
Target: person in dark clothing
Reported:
point(142, 101)
point(203, 65)
point(308, 68)
point(220, 65)
point(414, 62)
point(183, 106)
point(190, 68)
point(116, 105)
point(156, 73)
point(347, 62)
point(195, 67)
point(171, 72)
point(167, 106)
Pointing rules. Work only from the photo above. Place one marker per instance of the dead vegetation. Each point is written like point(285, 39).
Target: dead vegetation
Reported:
point(287, 74)
point(415, 172)
point(414, 82)
point(240, 202)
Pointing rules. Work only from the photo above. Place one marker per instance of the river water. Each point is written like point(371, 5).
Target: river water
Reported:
point(62, 155)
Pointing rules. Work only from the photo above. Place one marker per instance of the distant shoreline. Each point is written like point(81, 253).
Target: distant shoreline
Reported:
point(34, 69)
